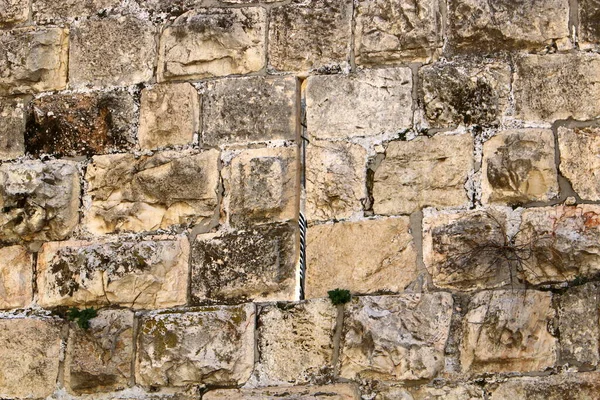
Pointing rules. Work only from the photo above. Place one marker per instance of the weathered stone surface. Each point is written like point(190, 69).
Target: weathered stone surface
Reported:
point(13, 11)
point(507, 331)
point(584, 386)
point(210, 345)
point(49, 11)
point(423, 172)
point(99, 358)
point(459, 391)
point(368, 103)
point(12, 129)
point(151, 192)
point(557, 86)
point(29, 357)
point(213, 42)
point(336, 391)
point(482, 26)
point(169, 115)
point(262, 185)
point(395, 337)
point(33, 60)
point(16, 277)
point(245, 110)
point(579, 161)
point(81, 124)
point(336, 180)
point(302, 332)
point(458, 93)
point(368, 256)
point(111, 52)
point(258, 264)
point(589, 28)
point(389, 31)
point(310, 34)
point(39, 200)
point(146, 274)
point(518, 167)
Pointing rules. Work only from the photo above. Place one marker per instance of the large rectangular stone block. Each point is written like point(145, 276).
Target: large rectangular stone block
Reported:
point(582, 386)
point(12, 128)
point(16, 277)
point(50, 11)
point(336, 391)
point(580, 161)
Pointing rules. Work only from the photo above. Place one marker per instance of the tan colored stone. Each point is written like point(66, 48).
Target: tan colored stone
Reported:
point(210, 345)
point(16, 277)
point(367, 256)
point(213, 42)
point(111, 52)
point(580, 160)
point(51, 11)
point(395, 337)
point(169, 115)
point(336, 391)
point(557, 86)
point(589, 29)
point(12, 129)
point(456, 391)
point(33, 61)
point(423, 172)
point(13, 11)
point(518, 167)
point(582, 386)
point(145, 274)
point(368, 103)
point(151, 192)
point(507, 331)
point(29, 357)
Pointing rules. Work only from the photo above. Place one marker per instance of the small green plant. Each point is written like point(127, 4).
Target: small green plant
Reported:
point(82, 317)
point(339, 296)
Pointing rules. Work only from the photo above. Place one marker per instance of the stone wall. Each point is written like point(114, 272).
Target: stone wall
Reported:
point(156, 156)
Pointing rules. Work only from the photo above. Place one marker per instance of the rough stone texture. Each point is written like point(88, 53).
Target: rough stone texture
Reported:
point(557, 86)
point(16, 276)
point(483, 26)
point(146, 274)
point(81, 124)
point(459, 391)
point(423, 172)
point(507, 331)
point(580, 161)
point(518, 167)
point(458, 93)
point(584, 386)
point(213, 42)
point(589, 28)
point(39, 200)
point(368, 103)
point(262, 186)
point(389, 31)
point(51, 11)
point(336, 180)
point(111, 52)
point(13, 11)
point(151, 192)
point(33, 61)
point(257, 264)
point(368, 256)
point(210, 345)
point(302, 332)
point(12, 128)
point(395, 337)
point(169, 115)
point(99, 358)
point(310, 34)
point(245, 110)
point(29, 357)
point(336, 391)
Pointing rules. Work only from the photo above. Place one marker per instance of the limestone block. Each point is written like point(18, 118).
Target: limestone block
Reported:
point(51, 11)
point(13, 11)
point(111, 52)
point(39, 200)
point(253, 109)
point(210, 345)
point(262, 186)
point(483, 27)
point(213, 42)
point(81, 124)
point(459, 391)
point(580, 386)
point(99, 358)
point(557, 86)
point(423, 172)
point(389, 31)
point(336, 391)
point(589, 15)
point(395, 337)
point(368, 103)
point(367, 256)
point(459, 93)
point(257, 263)
point(310, 34)
point(33, 61)
point(145, 274)
point(295, 342)
point(518, 167)
point(12, 128)
point(151, 192)
point(29, 357)
point(169, 115)
point(580, 161)
point(507, 331)
point(16, 277)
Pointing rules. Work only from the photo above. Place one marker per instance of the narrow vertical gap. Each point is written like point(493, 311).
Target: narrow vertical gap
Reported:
point(302, 193)
point(34, 288)
point(134, 349)
point(337, 338)
point(574, 21)
point(353, 37)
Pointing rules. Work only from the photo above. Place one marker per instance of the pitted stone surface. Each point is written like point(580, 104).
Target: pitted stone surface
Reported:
point(459, 391)
point(580, 386)
point(589, 15)
point(580, 161)
point(16, 277)
point(12, 128)
point(50, 11)
point(336, 391)
point(13, 11)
